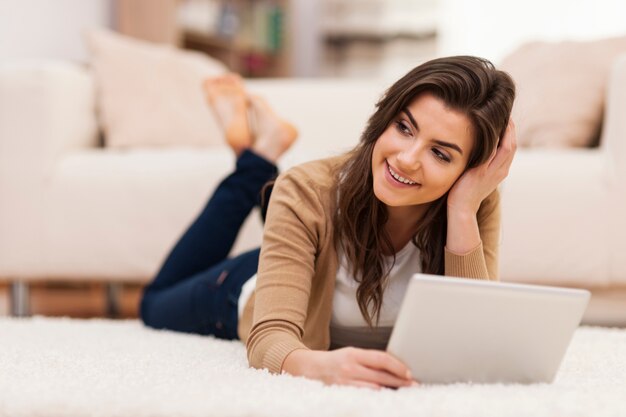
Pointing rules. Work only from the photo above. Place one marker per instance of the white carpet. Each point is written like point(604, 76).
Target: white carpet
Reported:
point(65, 367)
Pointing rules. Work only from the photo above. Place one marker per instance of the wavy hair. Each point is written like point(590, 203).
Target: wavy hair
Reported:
point(466, 84)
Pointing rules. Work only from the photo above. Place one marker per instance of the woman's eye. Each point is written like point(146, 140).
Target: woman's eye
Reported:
point(403, 128)
point(440, 155)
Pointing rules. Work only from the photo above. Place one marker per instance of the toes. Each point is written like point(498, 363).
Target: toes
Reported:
point(259, 103)
point(230, 84)
point(219, 80)
point(234, 78)
point(209, 83)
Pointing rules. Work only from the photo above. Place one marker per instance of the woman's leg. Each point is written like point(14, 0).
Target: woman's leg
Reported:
point(210, 237)
point(204, 303)
point(196, 288)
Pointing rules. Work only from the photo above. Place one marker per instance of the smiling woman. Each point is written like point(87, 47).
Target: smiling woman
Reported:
point(343, 235)
point(437, 127)
point(406, 154)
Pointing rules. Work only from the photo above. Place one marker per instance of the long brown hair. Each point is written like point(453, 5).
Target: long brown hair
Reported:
point(466, 84)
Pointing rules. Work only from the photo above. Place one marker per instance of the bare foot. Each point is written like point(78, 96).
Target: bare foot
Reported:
point(227, 97)
point(273, 135)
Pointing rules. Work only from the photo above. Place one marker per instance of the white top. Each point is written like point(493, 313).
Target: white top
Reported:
point(246, 292)
point(347, 326)
point(346, 311)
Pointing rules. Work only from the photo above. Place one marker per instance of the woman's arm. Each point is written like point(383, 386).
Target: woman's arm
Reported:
point(479, 259)
point(474, 214)
point(286, 269)
point(463, 234)
point(295, 224)
point(368, 368)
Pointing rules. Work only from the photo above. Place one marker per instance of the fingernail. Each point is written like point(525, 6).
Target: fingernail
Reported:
point(408, 375)
point(414, 383)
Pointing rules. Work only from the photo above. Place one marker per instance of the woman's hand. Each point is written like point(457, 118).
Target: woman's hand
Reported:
point(350, 366)
point(477, 183)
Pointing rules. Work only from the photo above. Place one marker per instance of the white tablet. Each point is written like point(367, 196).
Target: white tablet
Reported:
point(462, 330)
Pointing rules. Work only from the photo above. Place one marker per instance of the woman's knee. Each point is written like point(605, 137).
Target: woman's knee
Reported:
point(144, 308)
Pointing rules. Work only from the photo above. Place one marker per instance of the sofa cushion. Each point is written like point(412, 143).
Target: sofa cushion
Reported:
point(561, 90)
point(115, 214)
point(151, 95)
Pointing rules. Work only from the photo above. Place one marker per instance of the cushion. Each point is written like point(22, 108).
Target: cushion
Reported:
point(151, 95)
point(561, 90)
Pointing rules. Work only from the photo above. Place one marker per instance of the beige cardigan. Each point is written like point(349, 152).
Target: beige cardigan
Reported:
point(292, 304)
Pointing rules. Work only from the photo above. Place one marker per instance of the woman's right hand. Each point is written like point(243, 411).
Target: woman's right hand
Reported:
point(350, 366)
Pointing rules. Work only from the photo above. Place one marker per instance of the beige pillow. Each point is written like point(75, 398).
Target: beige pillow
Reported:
point(561, 90)
point(151, 95)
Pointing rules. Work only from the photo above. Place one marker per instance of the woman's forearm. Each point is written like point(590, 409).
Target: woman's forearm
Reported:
point(298, 362)
point(463, 235)
point(349, 366)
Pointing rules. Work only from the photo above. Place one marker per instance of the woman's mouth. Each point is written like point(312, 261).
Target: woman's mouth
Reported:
point(398, 179)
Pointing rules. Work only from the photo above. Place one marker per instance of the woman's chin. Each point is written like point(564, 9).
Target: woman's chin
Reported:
point(389, 200)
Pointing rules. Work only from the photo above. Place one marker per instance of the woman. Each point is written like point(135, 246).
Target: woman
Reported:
point(343, 235)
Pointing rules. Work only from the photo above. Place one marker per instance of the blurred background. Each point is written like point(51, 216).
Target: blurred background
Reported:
point(307, 38)
point(287, 38)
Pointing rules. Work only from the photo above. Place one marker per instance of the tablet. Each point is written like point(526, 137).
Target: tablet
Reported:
point(462, 330)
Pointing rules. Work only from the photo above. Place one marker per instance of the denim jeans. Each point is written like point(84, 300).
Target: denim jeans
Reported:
point(198, 287)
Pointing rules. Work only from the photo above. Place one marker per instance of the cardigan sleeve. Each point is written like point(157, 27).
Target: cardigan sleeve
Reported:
point(286, 268)
point(482, 261)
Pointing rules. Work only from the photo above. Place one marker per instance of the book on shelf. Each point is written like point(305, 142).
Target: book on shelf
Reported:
point(253, 25)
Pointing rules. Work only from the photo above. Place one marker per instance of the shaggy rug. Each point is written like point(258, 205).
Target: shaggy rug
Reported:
point(68, 367)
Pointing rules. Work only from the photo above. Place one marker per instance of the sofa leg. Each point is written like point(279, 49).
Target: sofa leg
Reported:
point(113, 299)
point(20, 299)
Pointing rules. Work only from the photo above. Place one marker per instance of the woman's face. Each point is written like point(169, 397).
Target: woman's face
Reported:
point(421, 154)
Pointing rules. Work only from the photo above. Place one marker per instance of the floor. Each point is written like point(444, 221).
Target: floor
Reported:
point(77, 368)
point(80, 300)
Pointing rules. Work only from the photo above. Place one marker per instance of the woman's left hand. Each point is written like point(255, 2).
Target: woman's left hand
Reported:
point(477, 183)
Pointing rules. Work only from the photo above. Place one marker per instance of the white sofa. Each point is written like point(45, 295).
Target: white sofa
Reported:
point(71, 209)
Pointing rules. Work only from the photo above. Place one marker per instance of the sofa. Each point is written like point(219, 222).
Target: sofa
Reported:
point(73, 209)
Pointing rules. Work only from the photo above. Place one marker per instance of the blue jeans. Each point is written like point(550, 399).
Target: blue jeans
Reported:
point(197, 289)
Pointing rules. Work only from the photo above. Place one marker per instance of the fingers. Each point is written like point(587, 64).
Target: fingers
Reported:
point(509, 140)
point(363, 384)
point(502, 155)
point(509, 144)
point(379, 360)
point(368, 375)
point(366, 368)
point(492, 156)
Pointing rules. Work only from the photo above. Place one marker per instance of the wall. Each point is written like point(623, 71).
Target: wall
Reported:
point(304, 31)
point(492, 28)
point(376, 38)
point(37, 29)
point(48, 29)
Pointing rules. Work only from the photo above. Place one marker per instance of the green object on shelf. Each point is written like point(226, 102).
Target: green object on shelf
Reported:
point(275, 28)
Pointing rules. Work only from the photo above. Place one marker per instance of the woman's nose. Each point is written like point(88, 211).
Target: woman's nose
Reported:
point(410, 159)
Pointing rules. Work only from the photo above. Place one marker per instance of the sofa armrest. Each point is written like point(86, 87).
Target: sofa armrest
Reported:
point(613, 144)
point(46, 110)
point(613, 140)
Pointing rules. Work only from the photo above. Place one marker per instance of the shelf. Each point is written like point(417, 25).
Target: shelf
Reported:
point(214, 41)
point(344, 37)
point(246, 35)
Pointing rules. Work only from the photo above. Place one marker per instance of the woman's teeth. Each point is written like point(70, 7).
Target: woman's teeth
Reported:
point(399, 178)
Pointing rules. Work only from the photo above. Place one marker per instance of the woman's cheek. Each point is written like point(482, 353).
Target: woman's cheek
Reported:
point(441, 178)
